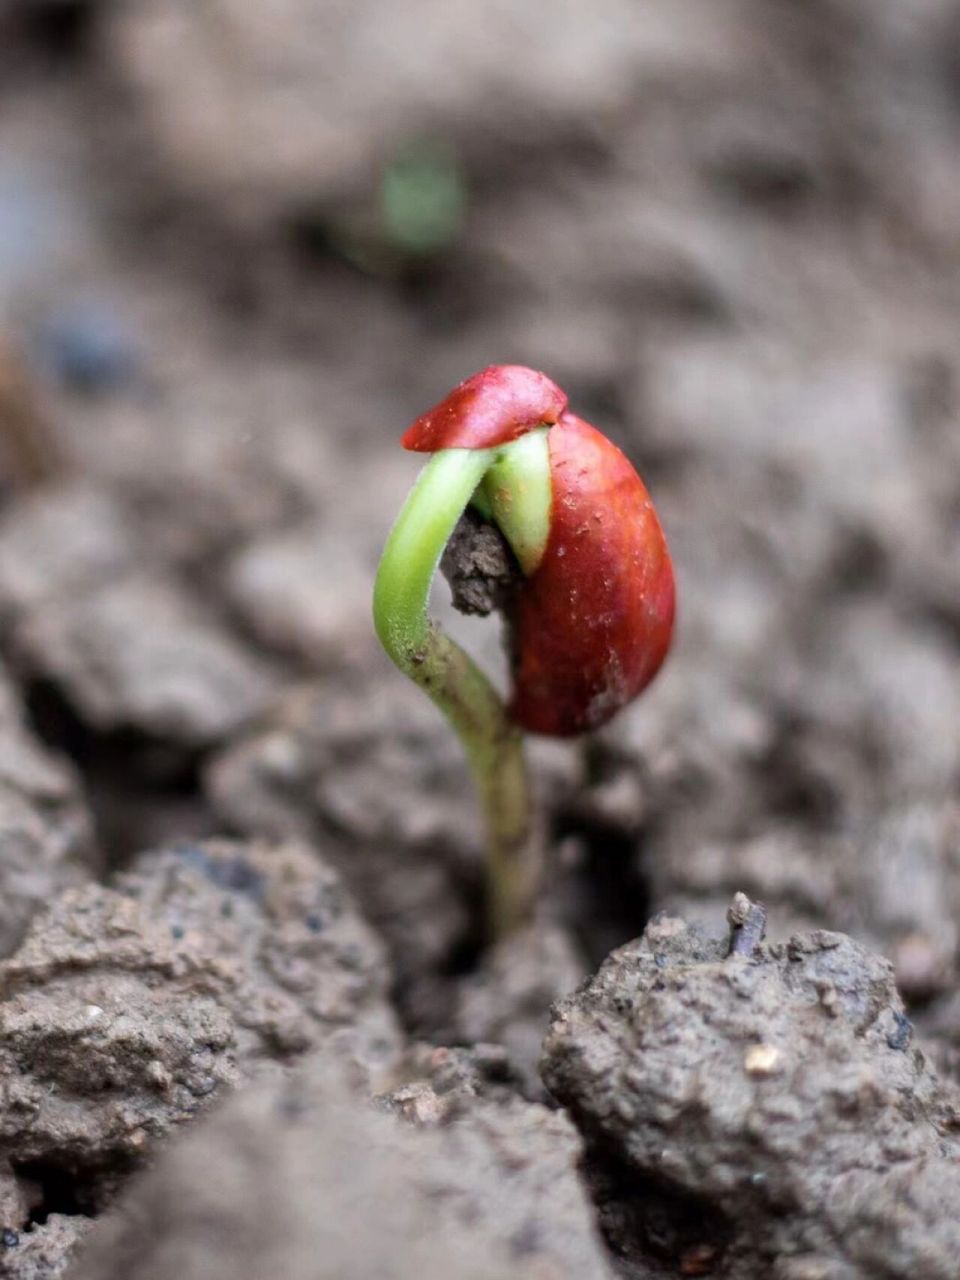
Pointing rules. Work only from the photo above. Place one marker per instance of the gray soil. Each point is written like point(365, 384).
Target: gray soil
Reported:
point(283, 1180)
point(241, 247)
point(781, 1092)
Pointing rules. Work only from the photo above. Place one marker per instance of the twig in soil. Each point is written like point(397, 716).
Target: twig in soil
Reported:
point(31, 453)
point(748, 924)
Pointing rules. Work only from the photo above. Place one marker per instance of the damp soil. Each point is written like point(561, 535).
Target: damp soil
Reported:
point(244, 987)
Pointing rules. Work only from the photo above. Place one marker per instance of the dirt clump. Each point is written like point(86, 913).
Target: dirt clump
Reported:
point(436, 1082)
point(506, 1000)
point(126, 1011)
point(94, 613)
point(781, 1090)
point(304, 593)
point(348, 87)
point(335, 765)
point(44, 1250)
point(281, 1181)
point(140, 653)
point(63, 540)
point(46, 835)
point(296, 963)
point(479, 566)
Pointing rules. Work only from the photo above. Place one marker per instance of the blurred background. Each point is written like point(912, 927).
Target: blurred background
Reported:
point(242, 245)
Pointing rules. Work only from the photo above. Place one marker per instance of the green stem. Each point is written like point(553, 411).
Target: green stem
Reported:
point(425, 653)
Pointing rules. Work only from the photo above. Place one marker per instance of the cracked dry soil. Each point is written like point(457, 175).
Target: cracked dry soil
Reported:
point(247, 1025)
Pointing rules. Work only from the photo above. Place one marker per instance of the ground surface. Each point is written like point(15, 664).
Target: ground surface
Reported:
point(240, 248)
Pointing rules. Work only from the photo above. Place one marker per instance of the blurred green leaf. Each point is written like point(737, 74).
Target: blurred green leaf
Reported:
point(423, 198)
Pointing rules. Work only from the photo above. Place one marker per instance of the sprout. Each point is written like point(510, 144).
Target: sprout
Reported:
point(590, 621)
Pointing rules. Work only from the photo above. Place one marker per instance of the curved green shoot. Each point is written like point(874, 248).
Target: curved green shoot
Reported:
point(513, 485)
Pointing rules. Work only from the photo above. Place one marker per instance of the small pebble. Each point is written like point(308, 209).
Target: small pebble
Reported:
point(829, 1000)
point(419, 1105)
point(88, 347)
point(699, 1261)
point(762, 1060)
point(919, 969)
point(900, 1038)
point(158, 1074)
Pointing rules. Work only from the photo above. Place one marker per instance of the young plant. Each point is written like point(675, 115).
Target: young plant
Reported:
point(589, 622)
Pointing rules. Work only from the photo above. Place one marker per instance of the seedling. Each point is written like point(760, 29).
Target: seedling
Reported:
point(589, 622)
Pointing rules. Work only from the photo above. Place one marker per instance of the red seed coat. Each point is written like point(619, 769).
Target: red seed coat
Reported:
point(592, 625)
point(493, 407)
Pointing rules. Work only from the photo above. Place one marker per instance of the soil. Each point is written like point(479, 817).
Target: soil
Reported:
point(493, 1191)
point(692, 1066)
point(241, 247)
